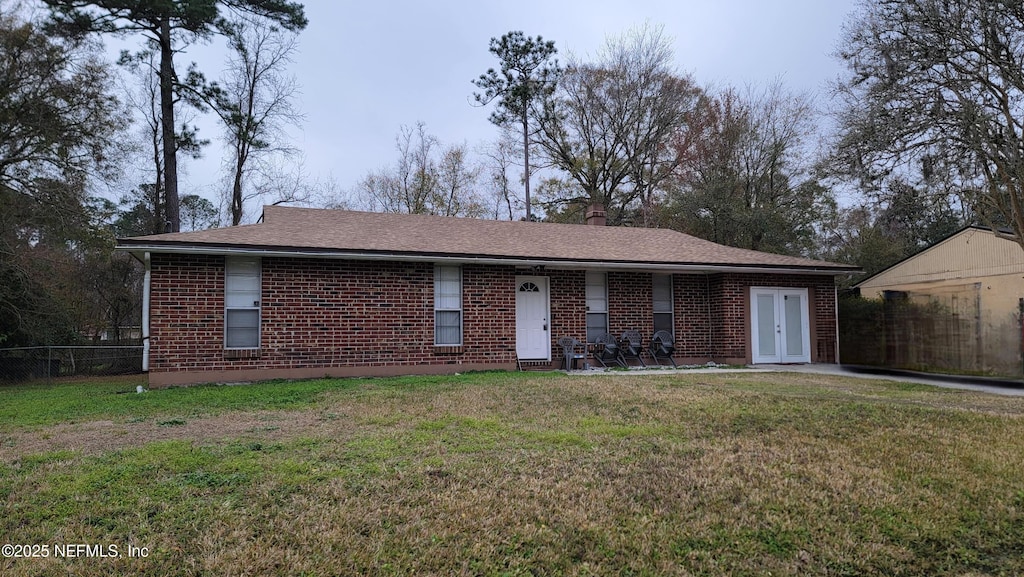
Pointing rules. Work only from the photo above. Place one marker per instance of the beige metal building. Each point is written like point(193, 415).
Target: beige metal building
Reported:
point(975, 277)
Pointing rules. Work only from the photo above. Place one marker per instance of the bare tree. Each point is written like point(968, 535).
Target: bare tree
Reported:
point(408, 188)
point(142, 94)
point(499, 162)
point(255, 104)
point(426, 179)
point(405, 187)
point(167, 25)
point(280, 180)
point(610, 123)
point(578, 137)
point(328, 193)
point(456, 178)
point(659, 103)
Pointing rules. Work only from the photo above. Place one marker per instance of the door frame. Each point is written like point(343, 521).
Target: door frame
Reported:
point(781, 329)
point(544, 283)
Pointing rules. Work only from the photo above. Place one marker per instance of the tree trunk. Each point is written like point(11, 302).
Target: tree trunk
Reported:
point(236, 191)
point(167, 126)
point(526, 163)
point(156, 199)
point(245, 134)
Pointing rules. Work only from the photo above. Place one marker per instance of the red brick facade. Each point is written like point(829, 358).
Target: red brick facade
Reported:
point(729, 300)
point(343, 317)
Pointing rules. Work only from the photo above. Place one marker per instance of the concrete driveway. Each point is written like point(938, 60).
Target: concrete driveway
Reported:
point(967, 383)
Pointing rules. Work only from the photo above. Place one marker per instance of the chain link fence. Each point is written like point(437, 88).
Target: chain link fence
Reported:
point(45, 363)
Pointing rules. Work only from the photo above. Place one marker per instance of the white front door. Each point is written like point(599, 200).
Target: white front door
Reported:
point(532, 338)
point(779, 326)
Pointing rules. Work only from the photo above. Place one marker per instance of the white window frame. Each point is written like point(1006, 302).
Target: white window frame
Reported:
point(233, 269)
point(593, 300)
point(671, 312)
point(439, 271)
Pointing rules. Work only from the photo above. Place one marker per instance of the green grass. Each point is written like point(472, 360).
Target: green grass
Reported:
point(62, 403)
point(529, 474)
point(50, 404)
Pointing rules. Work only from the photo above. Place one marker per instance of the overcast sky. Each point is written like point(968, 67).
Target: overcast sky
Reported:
point(367, 68)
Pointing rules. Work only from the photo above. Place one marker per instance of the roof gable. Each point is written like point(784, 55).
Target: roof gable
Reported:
point(971, 252)
point(351, 234)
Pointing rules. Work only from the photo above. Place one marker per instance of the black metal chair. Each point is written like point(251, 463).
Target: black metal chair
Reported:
point(606, 350)
point(632, 346)
point(662, 347)
point(572, 351)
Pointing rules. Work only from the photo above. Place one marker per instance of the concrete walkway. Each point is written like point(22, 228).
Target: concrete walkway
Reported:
point(967, 383)
point(964, 382)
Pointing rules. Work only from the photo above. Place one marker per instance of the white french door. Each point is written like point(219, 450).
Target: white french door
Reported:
point(532, 334)
point(779, 325)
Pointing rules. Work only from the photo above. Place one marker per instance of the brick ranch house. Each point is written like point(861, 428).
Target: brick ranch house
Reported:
point(315, 292)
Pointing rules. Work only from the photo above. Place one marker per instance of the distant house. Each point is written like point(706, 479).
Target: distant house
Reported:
point(311, 292)
point(976, 278)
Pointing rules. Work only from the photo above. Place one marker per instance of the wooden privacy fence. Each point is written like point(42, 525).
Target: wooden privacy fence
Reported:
point(948, 332)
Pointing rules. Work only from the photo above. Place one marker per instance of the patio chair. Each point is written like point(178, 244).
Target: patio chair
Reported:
point(662, 347)
point(606, 350)
point(632, 346)
point(572, 351)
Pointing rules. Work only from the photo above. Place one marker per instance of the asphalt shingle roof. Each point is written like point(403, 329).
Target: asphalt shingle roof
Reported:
point(342, 232)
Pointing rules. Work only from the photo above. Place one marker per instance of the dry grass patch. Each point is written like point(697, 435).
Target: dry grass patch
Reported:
point(508, 474)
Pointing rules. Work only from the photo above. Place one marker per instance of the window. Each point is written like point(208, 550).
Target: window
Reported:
point(597, 305)
point(242, 303)
point(447, 306)
point(662, 289)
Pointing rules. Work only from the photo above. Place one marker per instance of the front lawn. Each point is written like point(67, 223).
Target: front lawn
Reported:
point(514, 474)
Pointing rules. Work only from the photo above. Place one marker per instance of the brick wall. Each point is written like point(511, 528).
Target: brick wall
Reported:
point(730, 313)
point(489, 314)
point(692, 320)
point(630, 303)
point(729, 317)
point(370, 317)
point(712, 312)
point(186, 312)
point(568, 307)
point(319, 314)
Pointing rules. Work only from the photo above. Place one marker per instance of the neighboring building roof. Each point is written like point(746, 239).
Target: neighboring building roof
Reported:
point(287, 231)
point(971, 252)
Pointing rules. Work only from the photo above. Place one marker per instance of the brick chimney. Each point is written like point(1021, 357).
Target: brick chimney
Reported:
point(596, 214)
